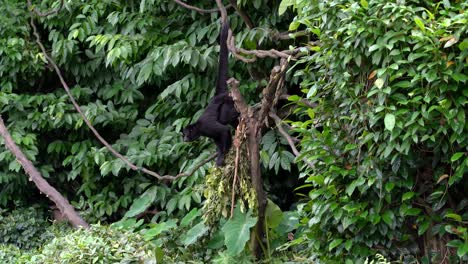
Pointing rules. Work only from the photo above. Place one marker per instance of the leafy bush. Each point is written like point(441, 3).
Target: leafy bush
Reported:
point(389, 79)
point(12, 254)
point(100, 244)
point(26, 228)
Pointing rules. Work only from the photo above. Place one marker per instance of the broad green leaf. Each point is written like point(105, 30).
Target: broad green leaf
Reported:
point(193, 234)
point(407, 196)
point(237, 231)
point(389, 121)
point(420, 24)
point(188, 218)
point(335, 243)
point(364, 4)
point(388, 217)
point(462, 250)
point(456, 156)
point(153, 232)
point(273, 214)
point(284, 5)
point(453, 216)
point(379, 83)
point(142, 203)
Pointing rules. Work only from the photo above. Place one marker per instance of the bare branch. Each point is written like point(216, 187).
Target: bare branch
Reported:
point(238, 99)
point(194, 8)
point(275, 83)
point(47, 13)
point(180, 175)
point(95, 132)
point(44, 187)
point(288, 138)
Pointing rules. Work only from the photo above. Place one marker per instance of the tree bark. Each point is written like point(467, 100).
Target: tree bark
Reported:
point(44, 187)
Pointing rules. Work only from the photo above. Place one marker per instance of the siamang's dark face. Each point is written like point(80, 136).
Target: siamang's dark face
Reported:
point(190, 133)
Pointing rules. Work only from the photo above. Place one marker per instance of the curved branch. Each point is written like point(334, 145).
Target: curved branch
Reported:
point(197, 9)
point(285, 134)
point(47, 13)
point(95, 132)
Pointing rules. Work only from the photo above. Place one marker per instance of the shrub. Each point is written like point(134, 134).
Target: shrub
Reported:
point(100, 244)
point(26, 228)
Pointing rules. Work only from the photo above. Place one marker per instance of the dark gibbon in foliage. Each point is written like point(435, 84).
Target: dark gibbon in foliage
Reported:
point(220, 112)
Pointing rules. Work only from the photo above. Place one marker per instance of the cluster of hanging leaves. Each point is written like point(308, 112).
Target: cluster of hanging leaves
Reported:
point(389, 135)
point(218, 188)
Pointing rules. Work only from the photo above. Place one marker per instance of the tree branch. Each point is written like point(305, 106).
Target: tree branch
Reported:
point(95, 132)
point(242, 14)
point(194, 8)
point(44, 187)
point(47, 13)
point(278, 122)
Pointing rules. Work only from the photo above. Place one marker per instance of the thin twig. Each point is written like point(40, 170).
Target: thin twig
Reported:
point(288, 138)
point(302, 100)
point(95, 132)
point(47, 13)
point(197, 9)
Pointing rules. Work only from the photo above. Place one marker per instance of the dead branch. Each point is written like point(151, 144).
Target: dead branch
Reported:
point(288, 138)
point(275, 83)
point(44, 187)
point(47, 13)
point(95, 132)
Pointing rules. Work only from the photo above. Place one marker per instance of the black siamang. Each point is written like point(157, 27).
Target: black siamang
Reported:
point(220, 112)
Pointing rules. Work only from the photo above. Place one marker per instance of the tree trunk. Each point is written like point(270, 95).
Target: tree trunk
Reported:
point(44, 187)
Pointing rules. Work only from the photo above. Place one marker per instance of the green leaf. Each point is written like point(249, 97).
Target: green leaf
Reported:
point(389, 121)
point(420, 24)
point(407, 196)
point(153, 232)
point(142, 203)
point(284, 5)
point(193, 234)
point(379, 83)
point(237, 231)
point(456, 156)
point(364, 4)
point(335, 243)
point(453, 216)
point(273, 214)
point(423, 227)
point(188, 218)
point(462, 250)
point(388, 217)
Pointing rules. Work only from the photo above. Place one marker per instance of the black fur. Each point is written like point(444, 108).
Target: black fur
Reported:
point(220, 112)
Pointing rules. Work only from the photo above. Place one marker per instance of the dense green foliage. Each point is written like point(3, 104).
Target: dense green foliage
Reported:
point(98, 245)
point(25, 228)
point(390, 82)
point(388, 137)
